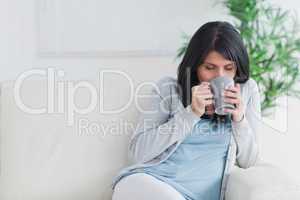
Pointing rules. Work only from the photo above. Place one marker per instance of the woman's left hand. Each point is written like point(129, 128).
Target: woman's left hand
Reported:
point(233, 95)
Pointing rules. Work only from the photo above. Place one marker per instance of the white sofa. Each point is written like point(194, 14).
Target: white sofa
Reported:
point(48, 156)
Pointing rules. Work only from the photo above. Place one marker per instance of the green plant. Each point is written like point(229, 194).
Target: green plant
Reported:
point(271, 35)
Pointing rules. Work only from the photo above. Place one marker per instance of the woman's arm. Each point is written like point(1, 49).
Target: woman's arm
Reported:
point(245, 131)
point(156, 131)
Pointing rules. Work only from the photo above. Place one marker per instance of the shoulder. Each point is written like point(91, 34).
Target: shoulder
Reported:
point(166, 86)
point(250, 86)
point(166, 80)
point(250, 91)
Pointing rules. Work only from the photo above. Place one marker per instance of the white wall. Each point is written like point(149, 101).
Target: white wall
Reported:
point(18, 52)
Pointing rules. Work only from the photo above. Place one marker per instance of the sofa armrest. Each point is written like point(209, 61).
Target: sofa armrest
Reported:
point(264, 181)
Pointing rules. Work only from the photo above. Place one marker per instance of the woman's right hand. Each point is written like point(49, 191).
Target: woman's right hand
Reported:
point(201, 97)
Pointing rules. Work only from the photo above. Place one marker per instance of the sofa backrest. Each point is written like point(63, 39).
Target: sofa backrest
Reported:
point(46, 153)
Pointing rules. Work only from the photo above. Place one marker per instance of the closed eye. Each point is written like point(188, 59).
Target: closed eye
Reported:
point(209, 67)
point(229, 67)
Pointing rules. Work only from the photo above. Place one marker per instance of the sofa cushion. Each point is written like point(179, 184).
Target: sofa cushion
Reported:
point(263, 181)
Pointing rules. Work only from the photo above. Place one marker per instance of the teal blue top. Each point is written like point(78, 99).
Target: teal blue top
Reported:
point(196, 167)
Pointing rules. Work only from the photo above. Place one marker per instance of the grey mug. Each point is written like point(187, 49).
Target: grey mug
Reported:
point(218, 85)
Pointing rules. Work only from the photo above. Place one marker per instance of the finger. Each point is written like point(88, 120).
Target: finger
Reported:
point(203, 90)
point(207, 96)
point(204, 97)
point(230, 94)
point(204, 87)
point(238, 86)
point(205, 83)
point(229, 110)
point(202, 84)
point(199, 87)
point(232, 88)
point(208, 102)
point(194, 88)
point(204, 100)
point(231, 101)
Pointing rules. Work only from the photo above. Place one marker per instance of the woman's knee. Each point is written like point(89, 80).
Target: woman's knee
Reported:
point(141, 186)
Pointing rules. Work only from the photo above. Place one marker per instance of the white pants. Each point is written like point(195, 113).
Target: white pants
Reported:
point(141, 186)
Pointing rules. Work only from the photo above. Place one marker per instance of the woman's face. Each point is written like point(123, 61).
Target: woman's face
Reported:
point(215, 65)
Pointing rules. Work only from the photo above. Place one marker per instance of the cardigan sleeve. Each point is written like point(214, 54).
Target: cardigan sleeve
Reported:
point(156, 130)
point(246, 131)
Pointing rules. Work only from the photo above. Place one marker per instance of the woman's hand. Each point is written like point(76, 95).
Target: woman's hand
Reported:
point(201, 97)
point(233, 95)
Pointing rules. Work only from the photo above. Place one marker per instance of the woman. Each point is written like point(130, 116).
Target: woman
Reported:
point(184, 150)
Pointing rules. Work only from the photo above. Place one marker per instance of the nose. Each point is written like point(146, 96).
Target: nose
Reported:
point(220, 72)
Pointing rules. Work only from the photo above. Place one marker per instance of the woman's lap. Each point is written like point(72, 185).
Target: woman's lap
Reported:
point(142, 186)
